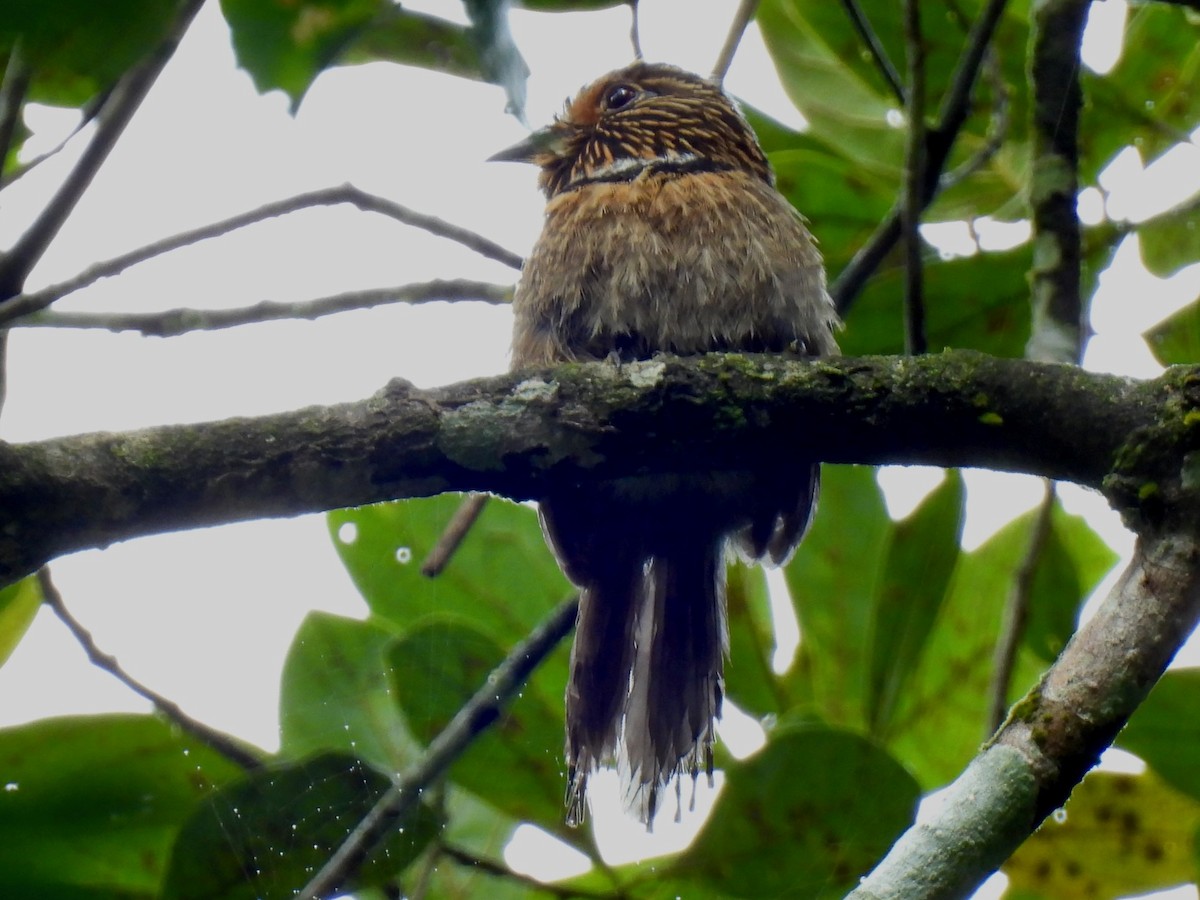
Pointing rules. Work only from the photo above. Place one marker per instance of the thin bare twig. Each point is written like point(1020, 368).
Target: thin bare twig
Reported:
point(174, 322)
point(998, 126)
point(19, 172)
point(914, 182)
point(862, 25)
point(468, 723)
point(1016, 611)
point(346, 193)
point(737, 28)
point(210, 737)
point(953, 114)
point(956, 105)
point(635, 31)
point(116, 113)
point(452, 536)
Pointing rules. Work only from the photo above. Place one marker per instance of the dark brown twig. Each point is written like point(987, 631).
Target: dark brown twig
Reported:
point(737, 28)
point(953, 114)
point(346, 193)
point(116, 113)
point(452, 536)
point(210, 737)
point(998, 126)
point(1016, 610)
point(862, 25)
point(173, 322)
point(475, 716)
point(914, 182)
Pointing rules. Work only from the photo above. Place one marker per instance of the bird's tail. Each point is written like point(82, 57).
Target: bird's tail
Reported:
point(601, 660)
point(645, 684)
point(678, 684)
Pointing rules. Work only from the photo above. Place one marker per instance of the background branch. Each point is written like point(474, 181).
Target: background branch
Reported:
point(1056, 32)
point(210, 737)
point(30, 303)
point(953, 114)
point(635, 31)
point(737, 28)
point(1057, 733)
point(516, 434)
point(862, 25)
point(116, 113)
point(998, 126)
point(1016, 611)
point(173, 322)
point(453, 534)
point(475, 716)
point(914, 180)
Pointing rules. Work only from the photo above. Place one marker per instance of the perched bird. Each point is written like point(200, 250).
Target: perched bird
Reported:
point(663, 233)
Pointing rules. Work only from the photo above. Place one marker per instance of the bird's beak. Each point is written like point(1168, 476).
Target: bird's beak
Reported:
point(539, 147)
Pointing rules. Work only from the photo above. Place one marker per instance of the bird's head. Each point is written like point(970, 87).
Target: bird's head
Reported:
point(646, 116)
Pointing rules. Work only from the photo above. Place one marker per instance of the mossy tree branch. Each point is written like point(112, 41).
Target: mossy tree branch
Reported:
point(516, 434)
point(1057, 733)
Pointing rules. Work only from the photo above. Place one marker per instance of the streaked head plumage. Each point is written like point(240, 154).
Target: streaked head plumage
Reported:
point(644, 117)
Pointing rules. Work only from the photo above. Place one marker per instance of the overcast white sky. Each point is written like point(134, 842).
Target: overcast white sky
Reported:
point(206, 617)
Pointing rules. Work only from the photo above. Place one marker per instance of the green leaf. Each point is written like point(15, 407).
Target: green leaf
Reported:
point(285, 44)
point(265, 836)
point(852, 109)
point(416, 39)
point(502, 579)
point(1121, 835)
point(920, 558)
point(481, 830)
point(750, 682)
point(805, 817)
point(19, 604)
point(1071, 563)
point(1171, 241)
point(843, 202)
point(979, 303)
point(844, 107)
point(335, 693)
point(516, 765)
point(832, 581)
point(1150, 98)
point(1176, 339)
point(943, 715)
point(74, 48)
point(1165, 730)
point(91, 805)
point(569, 5)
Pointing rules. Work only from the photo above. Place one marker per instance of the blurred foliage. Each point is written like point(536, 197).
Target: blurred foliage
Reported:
point(91, 806)
point(887, 697)
point(19, 603)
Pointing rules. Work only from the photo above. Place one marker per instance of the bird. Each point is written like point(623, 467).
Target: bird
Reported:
point(663, 233)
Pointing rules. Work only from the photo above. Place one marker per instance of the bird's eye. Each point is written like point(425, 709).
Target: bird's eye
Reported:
point(619, 96)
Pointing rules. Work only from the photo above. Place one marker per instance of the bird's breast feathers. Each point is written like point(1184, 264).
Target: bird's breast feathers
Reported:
point(679, 263)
